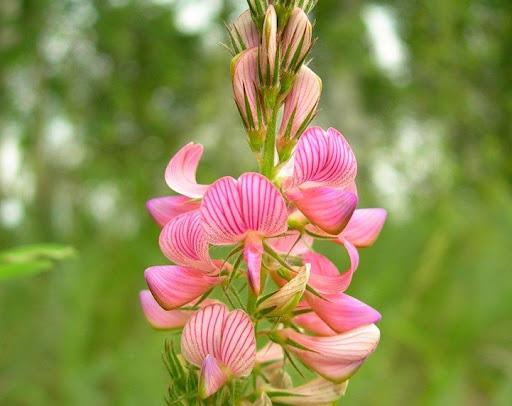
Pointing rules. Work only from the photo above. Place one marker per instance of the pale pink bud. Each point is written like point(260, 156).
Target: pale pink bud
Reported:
point(268, 69)
point(297, 41)
point(299, 109)
point(243, 33)
point(244, 72)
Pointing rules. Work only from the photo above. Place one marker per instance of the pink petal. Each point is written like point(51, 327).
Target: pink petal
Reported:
point(175, 286)
point(338, 357)
point(202, 334)
point(328, 208)
point(324, 158)
point(313, 324)
point(159, 318)
point(291, 244)
point(232, 208)
point(180, 174)
point(183, 241)
point(342, 312)
point(211, 378)
point(364, 226)
point(244, 73)
point(325, 277)
point(253, 252)
point(238, 347)
point(164, 209)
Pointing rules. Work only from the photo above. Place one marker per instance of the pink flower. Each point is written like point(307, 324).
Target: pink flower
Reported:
point(292, 243)
point(297, 41)
point(322, 183)
point(313, 324)
point(336, 358)
point(244, 211)
point(221, 343)
point(180, 176)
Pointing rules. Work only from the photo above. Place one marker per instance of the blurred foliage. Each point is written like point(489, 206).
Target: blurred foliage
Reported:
point(95, 96)
point(30, 259)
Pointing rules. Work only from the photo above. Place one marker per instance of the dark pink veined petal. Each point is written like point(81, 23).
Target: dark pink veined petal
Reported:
point(263, 206)
point(313, 324)
point(342, 312)
point(180, 174)
point(338, 357)
point(253, 253)
point(183, 241)
point(175, 286)
point(211, 377)
point(222, 212)
point(364, 227)
point(232, 208)
point(328, 208)
point(160, 318)
point(164, 209)
point(291, 243)
point(238, 347)
point(202, 334)
point(323, 158)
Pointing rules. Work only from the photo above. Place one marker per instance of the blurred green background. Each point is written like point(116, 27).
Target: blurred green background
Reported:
point(95, 97)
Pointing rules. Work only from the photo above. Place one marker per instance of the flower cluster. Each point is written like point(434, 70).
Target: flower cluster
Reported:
point(306, 190)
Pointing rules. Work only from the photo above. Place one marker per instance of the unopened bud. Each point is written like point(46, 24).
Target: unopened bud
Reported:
point(297, 41)
point(243, 33)
point(268, 62)
point(244, 74)
point(300, 108)
point(258, 9)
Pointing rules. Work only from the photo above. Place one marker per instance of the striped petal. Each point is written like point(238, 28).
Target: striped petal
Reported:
point(238, 347)
point(164, 209)
point(328, 208)
point(183, 241)
point(335, 358)
point(364, 227)
point(159, 318)
point(180, 174)
point(211, 378)
point(230, 209)
point(202, 334)
point(342, 312)
point(313, 324)
point(324, 158)
point(175, 286)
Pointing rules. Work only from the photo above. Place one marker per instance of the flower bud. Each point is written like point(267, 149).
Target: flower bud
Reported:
point(299, 109)
point(243, 33)
point(244, 68)
point(297, 41)
point(268, 62)
point(306, 5)
point(258, 9)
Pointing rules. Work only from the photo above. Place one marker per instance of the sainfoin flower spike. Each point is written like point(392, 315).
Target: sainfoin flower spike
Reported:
point(239, 253)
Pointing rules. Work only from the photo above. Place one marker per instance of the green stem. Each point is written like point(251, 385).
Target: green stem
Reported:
point(267, 166)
